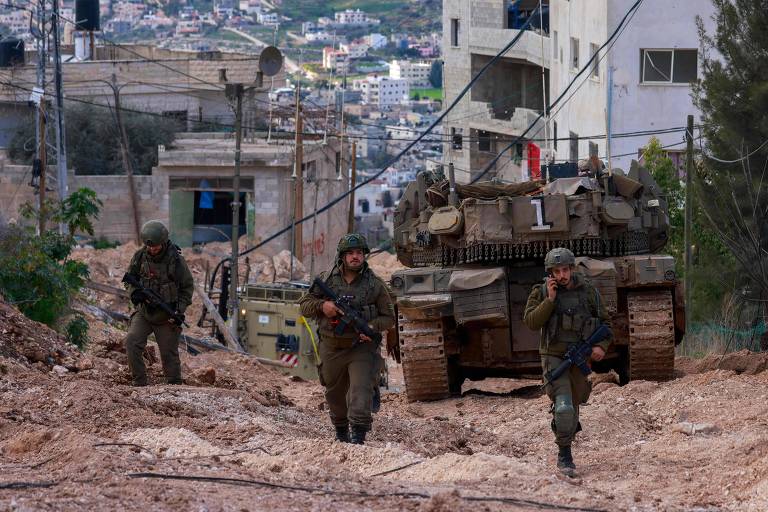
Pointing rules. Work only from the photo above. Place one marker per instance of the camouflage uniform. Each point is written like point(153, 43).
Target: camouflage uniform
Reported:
point(346, 371)
point(570, 318)
point(168, 275)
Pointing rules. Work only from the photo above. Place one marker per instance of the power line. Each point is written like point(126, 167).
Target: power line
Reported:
point(746, 157)
point(587, 66)
point(466, 89)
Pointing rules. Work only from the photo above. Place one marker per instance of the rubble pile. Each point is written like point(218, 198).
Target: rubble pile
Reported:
point(24, 340)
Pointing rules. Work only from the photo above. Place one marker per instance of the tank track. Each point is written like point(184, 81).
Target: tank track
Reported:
point(425, 367)
point(651, 335)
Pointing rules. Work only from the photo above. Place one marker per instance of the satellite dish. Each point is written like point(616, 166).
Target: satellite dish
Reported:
point(270, 61)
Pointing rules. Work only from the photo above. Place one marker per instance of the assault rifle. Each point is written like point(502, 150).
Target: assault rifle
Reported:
point(351, 316)
point(579, 355)
point(153, 299)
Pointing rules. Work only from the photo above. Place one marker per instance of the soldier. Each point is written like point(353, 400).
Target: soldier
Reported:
point(160, 267)
point(349, 360)
point(567, 309)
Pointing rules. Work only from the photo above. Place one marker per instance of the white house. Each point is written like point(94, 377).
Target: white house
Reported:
point(354, 49)
point(642, 84)
point(354, 17)
point(382, 91)
point(416, 73)
point(377, 41)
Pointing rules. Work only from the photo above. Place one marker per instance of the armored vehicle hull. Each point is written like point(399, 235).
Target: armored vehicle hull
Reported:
point(478, 252)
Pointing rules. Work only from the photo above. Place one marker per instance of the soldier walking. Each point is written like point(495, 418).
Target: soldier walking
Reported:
point(567, 309)
point(350, 359)
point(160, 267)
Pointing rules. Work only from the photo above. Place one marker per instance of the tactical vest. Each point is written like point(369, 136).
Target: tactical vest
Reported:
point(160, 276)
point(572, 320)
point(361, 298)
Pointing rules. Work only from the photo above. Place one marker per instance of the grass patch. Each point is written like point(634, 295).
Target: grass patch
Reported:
point(433, 94)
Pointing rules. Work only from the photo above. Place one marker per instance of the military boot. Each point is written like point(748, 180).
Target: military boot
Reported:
point(358, 435)
point(565, 461)
point(342, 434)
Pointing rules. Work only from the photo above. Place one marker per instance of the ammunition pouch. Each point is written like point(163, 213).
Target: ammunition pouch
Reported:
point(369, 312)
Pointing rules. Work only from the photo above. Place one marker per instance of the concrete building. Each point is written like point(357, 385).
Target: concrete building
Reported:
point(382, 91)
point(191, 190)
point(506, 99)
point(269, 19)
point(415, 73)
point(336, 60)
point(354, 49)
point(354, 18)
point(181, 84)
point(377, 41)
point(642, 84)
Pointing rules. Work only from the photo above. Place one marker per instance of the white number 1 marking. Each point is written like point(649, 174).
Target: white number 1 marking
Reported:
point(540, 225)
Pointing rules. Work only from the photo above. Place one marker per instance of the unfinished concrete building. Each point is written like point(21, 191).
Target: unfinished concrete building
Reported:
point(506, 99)
point(191, 189)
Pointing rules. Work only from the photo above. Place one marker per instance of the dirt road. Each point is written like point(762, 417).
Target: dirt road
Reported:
point(240, 436)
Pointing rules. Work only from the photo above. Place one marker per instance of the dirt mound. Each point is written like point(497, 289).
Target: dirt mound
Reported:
point(743, 361)
point(25, 340)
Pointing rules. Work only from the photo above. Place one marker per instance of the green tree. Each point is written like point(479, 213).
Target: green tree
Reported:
point(732, 95)
point(36, 273)
point(436, 74)
point(663, 171)
point(78, 211)
point(93, 143)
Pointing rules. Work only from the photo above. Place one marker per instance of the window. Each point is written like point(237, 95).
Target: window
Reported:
point(592, 149)
point(668, 66)
point(454, 32)
point(593, 48)
point(554, 43)
point(574, 149)
point(483, 141)
point(574, 53)
point(457, 140)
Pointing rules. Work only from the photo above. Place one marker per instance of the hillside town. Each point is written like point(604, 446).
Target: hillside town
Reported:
point(391, 255)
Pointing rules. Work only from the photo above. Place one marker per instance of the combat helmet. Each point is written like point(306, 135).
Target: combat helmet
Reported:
point(154, 232)
point(558, 256)
point(352, 241)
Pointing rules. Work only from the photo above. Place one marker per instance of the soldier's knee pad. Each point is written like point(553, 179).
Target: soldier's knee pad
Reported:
point(565, 415)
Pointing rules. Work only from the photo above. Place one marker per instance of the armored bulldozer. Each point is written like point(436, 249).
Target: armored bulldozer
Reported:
point(476, 251)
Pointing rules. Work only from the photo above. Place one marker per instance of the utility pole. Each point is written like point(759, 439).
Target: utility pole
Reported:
point(61, 144)
point(298, 174)
point(270, 62)
point(688, 218)
point(127, 163)
point(42, 161)
point(236, 91)
point(39, 32)
point(351, 217)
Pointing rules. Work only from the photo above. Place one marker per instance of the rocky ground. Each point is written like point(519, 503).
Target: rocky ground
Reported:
point(240, 436)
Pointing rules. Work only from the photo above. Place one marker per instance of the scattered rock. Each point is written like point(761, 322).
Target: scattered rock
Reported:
point(60, 370)
point(688, 428)
point(205, 376)
point(86, 363)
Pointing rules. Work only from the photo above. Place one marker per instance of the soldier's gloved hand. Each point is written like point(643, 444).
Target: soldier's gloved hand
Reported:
point(179, 320)
point(137, 297)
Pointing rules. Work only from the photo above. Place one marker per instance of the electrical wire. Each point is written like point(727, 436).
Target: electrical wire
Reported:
point(440, 118)
point(359, 494)
point(716, 159)
point(587, 66)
